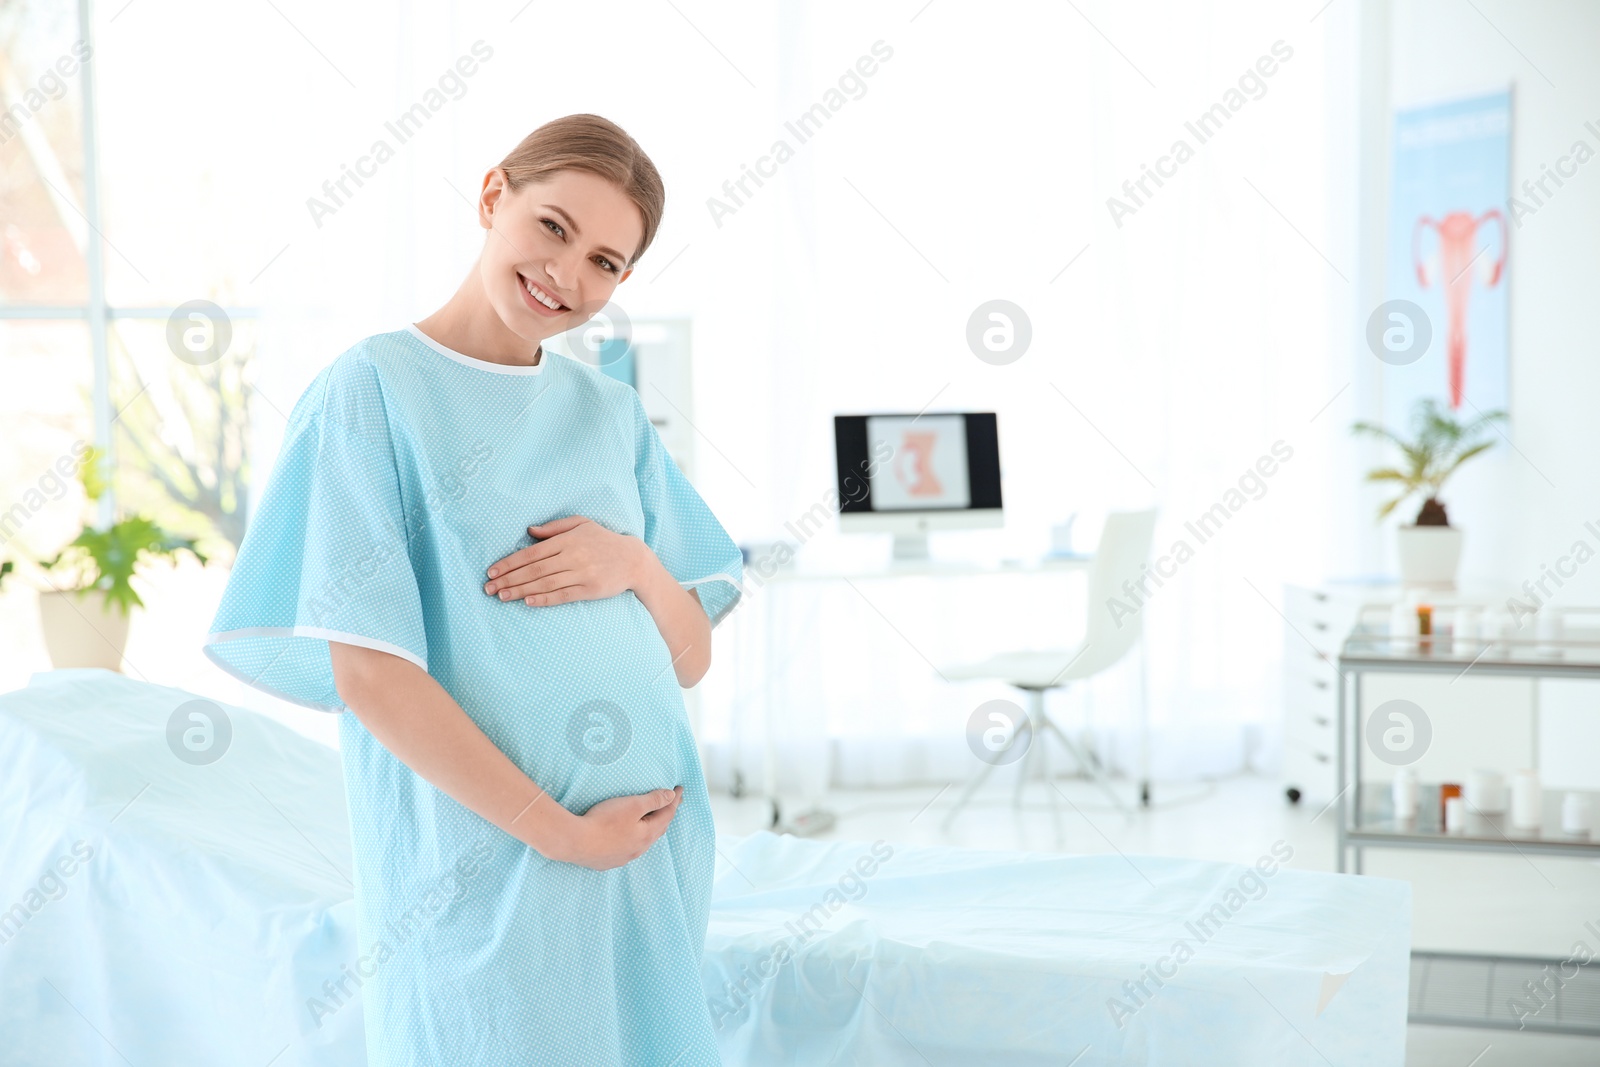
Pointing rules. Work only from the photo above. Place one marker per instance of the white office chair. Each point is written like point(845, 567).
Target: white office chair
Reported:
point(1124, 549)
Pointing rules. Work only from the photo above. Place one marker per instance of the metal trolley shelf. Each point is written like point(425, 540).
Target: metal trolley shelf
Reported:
point(1471, 989)
point(1366, 819)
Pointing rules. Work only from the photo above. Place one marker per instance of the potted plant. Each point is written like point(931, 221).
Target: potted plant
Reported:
point(86, 611)
point(1430, 548)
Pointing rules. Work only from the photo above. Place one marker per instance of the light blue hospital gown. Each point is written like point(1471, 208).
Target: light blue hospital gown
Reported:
point(406, 470)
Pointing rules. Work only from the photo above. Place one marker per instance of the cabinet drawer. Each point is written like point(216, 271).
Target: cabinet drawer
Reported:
point(1310, 771)
point(1317, 678)
point(1319, 620)
point(1307, 657)
point(1311, 726)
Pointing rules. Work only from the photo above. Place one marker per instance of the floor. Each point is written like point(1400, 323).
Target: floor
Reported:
point(1503, 903)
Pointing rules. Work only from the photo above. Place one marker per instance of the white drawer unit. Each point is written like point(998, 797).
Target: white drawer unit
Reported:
point(1318, 620)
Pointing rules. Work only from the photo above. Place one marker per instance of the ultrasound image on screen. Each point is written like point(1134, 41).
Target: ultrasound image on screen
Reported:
point(928, 469)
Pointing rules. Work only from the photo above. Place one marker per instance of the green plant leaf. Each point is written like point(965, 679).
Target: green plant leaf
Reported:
point(1465, 455)
point(107, 559)
point(1374, 430)
point(1440, 444)
point(1481, 423)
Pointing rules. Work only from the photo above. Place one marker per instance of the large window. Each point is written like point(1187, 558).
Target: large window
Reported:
point(120, 289)
point(120, 319)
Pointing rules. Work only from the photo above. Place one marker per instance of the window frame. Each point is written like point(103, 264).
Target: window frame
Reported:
point(96, 310)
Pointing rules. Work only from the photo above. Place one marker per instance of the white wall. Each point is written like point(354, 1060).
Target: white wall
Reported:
point(1525, 507)
point(1522, 507)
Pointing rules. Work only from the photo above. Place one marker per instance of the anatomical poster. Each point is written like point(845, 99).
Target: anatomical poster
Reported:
point(1447, 255)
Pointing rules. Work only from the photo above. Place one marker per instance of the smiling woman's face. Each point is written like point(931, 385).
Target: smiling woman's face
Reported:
point(567, 239)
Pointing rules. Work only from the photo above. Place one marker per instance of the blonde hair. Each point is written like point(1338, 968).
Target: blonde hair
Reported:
point(600, 147)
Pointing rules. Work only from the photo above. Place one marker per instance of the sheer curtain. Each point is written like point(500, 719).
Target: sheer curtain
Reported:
point(1196, 332)
point(935, 156)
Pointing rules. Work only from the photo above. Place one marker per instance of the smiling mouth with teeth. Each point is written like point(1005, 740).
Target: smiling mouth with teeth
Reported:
point(539, 296)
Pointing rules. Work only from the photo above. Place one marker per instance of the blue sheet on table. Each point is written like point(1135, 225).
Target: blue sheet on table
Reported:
point(207, 913)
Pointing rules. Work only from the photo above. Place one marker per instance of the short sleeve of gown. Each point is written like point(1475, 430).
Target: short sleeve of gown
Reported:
point(326, 554)
point(680, 528)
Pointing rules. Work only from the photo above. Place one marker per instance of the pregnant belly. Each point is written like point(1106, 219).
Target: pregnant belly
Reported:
point(582, 696)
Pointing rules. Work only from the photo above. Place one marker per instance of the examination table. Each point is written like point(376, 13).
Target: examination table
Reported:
point(165, 912)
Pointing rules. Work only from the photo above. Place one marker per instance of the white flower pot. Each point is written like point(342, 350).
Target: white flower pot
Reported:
point(83, 631)
point(1429, 555)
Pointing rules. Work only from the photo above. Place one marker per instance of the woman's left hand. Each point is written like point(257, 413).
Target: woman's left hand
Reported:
point(575, 559)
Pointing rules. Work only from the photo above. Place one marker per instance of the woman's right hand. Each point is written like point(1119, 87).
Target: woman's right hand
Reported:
point(621, 829)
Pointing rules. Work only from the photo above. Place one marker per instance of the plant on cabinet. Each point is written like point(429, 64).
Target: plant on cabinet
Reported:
point(1430, 548)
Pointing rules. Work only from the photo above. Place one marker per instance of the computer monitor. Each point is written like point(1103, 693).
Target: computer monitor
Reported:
point(909, 474)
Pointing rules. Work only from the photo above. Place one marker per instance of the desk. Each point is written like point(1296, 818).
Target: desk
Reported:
point(800, 574)
point(927, 568)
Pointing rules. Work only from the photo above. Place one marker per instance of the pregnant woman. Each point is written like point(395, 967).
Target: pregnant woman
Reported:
point(485, 555)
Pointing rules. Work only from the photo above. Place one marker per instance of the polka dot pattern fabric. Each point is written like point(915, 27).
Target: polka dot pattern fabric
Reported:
point(408, 469)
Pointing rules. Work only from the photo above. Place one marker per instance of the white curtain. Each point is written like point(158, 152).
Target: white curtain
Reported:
point(1171, 354)
point(959, 153)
